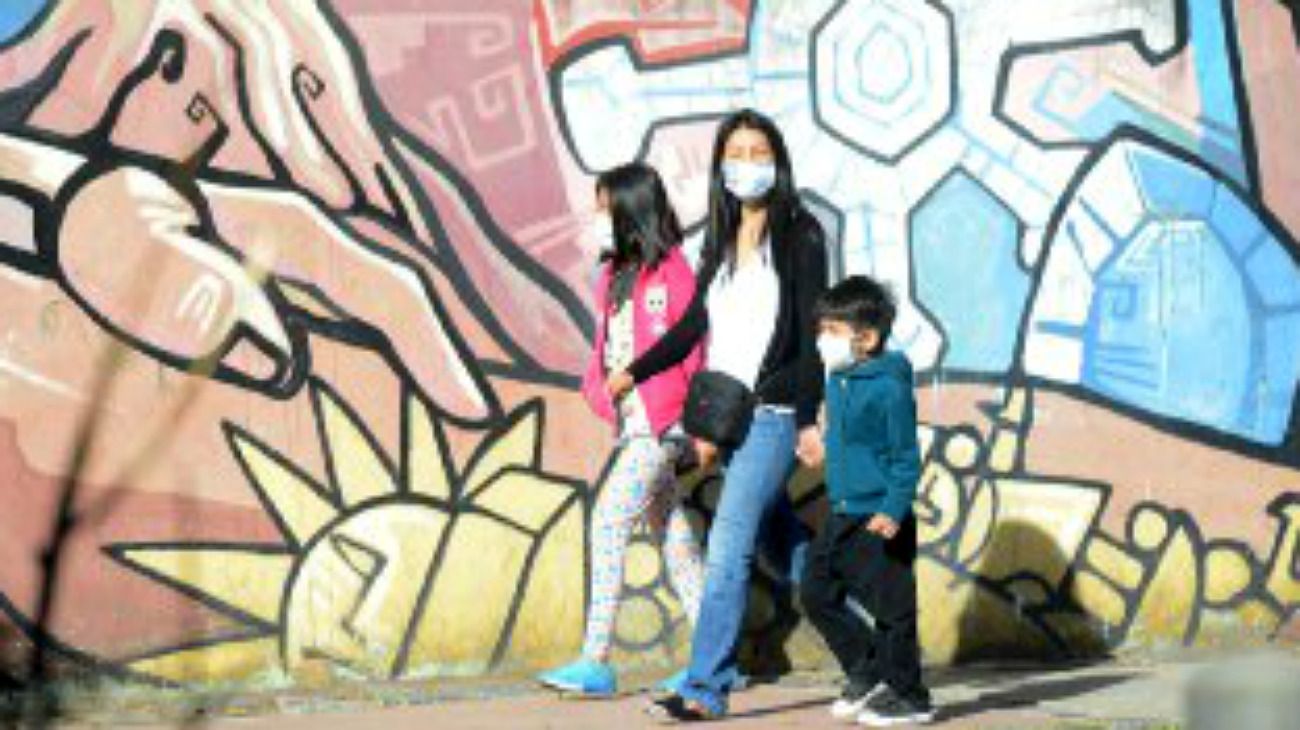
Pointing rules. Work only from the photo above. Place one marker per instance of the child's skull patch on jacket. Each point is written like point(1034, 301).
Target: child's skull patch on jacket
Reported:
point(656, 305)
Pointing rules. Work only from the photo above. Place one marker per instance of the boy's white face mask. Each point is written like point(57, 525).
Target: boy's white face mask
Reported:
point(836, 351)
point(748, 181)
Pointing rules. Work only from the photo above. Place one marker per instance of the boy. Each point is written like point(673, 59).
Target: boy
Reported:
point(867, 547)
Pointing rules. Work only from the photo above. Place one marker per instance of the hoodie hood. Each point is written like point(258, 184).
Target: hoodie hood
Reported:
point(889, 364)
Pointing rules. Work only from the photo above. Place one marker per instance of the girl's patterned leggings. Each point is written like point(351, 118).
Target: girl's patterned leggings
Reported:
point(641, 486)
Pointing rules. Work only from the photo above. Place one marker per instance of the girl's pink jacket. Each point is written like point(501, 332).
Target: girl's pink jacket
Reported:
point(660, 297)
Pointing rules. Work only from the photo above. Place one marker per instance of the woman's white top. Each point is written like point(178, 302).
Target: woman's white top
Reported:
point(743, 307)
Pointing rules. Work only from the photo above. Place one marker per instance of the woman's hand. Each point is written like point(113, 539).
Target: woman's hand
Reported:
point(810, 449)
point(706, 452)
point(619, 384)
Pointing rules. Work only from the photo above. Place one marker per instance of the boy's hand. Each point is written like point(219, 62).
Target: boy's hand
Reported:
point(882, 525)
point(810, 450)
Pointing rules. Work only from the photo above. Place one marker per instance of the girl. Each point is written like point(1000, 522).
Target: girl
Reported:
point(644, 288)
point(763, 268)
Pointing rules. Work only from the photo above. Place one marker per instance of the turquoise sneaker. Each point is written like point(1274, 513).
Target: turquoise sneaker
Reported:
point(585, 678)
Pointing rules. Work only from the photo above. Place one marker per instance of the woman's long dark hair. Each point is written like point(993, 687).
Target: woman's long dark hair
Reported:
point(782, 201)
point(645, 225)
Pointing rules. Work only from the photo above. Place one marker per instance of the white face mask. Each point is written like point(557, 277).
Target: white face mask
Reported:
point(836, 351)
point(599, 234)
point(748, 181)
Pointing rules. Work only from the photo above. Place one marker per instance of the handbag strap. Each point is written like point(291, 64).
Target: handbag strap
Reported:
point(760, 385)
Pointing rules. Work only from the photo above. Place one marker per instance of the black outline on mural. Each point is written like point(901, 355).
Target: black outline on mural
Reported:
point(406, 420)
point(460, 505)
point(834, 245)
point(348, 331)
point(578, 495)
point(33, 24)
point(1131, 38)
point(1014, 374)
point(938, 371)
point(1245, 124)
point(273, 162)
point(388, 131)
point(924, 135)
point(167, 58)
point(120, 552)
point(235, 434)
point(308, 86)
point(18, 257)
point(18, 103)
point(1154, 60)
point(527, 368)
point(524, 369)
point(1294, 7)
point(555, 74)
point(321, 391)
point(1177, 520)
point(1283, 453)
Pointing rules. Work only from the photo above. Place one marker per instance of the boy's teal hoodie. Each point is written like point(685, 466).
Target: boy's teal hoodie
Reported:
point(873, 461)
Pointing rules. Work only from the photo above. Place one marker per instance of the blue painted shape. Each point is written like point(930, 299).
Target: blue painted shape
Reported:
point(1170, 327)
point(965, 257)
point(1193, 316)
point(1208, 30)
point(1110, 111)
point(1235, 222)
point(1274, 275)
point(1105, 114)
point(16, 14)
point(1170, 186)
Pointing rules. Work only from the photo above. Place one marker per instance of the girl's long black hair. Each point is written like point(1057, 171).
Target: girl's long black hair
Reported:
point(645, 225)
point(782, 201)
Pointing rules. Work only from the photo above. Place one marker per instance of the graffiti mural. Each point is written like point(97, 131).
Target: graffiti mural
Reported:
point(296, 298)
point(369, 564)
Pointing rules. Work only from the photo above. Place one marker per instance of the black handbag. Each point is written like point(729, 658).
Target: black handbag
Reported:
point(719, 409)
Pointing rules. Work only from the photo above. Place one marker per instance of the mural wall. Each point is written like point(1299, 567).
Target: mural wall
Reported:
point(295, 298)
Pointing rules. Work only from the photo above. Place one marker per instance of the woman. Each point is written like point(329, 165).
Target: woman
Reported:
point(763, 267)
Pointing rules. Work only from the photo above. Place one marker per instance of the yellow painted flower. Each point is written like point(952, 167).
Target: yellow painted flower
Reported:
point(388, 571)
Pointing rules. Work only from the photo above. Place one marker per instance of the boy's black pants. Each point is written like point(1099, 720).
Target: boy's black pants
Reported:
point(847, 561)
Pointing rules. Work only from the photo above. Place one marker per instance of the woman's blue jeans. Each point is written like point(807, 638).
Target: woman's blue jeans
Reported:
point(753, 501)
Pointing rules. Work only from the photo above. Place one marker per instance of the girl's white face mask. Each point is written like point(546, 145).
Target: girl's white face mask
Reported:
point(749, 181)
point(599, 234)
point(836, 351)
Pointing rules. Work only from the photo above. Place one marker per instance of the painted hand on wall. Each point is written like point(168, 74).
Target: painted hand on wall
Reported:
point(236, 177)
point(221, 277)
point(197, 273)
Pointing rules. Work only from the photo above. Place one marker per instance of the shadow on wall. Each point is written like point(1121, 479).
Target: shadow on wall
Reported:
point(10, 639)
point(965, 615)
point(987, 589)
point(770, 648)
point(774, 640)
point(1021, 615)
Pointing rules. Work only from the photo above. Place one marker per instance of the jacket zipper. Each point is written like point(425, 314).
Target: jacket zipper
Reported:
point(843, 384)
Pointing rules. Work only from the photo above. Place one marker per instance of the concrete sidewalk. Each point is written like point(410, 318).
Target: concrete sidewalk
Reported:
point(1116, 694)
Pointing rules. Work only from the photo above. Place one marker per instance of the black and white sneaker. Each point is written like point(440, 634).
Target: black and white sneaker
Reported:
point(853, 700)
point(888, 709)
